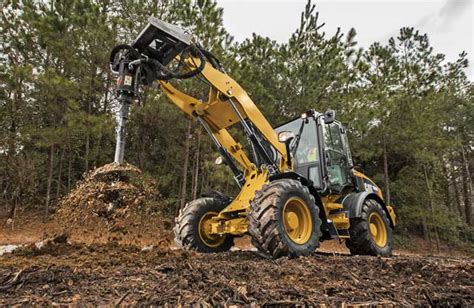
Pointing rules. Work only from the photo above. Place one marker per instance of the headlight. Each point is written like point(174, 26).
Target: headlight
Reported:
point(219, 160)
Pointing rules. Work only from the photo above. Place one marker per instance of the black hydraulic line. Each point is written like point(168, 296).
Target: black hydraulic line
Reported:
point(212, 59)
point(133, 54)
point(254, 153)
point(322, 151)
point(168, 74)
point(298, 137)
point(238, 175)
point(255, 158)
point(252, 136)
point(288, 152)
point(153, 68)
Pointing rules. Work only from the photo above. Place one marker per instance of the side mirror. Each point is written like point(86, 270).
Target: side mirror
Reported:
point(285, 136)
point(329, 116)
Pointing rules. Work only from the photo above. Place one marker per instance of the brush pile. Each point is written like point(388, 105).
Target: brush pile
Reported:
point(114, 203)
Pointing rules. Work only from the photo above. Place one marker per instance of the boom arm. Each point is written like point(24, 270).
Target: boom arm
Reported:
point(227, 104)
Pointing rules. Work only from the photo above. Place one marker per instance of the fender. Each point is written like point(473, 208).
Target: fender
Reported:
point(308, 183)
point(353, 204)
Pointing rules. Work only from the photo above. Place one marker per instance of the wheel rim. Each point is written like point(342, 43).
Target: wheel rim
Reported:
point(377, 229)
point(297, 220)
point(210, 240)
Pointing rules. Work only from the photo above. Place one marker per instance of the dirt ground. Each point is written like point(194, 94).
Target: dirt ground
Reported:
point(68, 271)
point(101, 248)
point(62, 273)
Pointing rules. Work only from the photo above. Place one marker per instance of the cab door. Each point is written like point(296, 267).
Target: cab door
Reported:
point(337, 156)
point(308, 154)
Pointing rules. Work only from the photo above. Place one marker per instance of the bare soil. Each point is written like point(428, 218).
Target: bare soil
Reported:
point(62, 273)
point(106, 247)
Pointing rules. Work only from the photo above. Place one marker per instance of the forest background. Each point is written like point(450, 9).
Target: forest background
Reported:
point(409, 111)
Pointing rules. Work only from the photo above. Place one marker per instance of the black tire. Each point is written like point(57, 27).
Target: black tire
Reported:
point(186, 229)
point(266, 225)
point(361, 241)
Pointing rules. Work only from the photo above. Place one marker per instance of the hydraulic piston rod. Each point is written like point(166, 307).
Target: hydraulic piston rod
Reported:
point(122, 118)
point(125, 90)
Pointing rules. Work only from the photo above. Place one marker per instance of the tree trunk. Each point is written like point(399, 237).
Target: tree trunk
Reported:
point(12, 209)
point(447, 183)
point(86, 155)
point(12, 174)
point(60, 171)
point(88, 133)
point(466, 188)
point(69, 170)
point(196, 167)
point(193, 171)
point(430, 205)
point(96, 151)
point(385, 173)
point(426, 231)
point(50, 180)
point(142, 147)
point(203, 180)
point(186, 163)
point(12, 215)
point(457, 196)
point(100, 138)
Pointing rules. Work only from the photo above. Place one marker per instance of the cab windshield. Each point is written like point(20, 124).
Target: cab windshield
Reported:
point(307, 147)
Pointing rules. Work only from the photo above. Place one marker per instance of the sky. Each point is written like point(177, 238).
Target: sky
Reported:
point(449, 23)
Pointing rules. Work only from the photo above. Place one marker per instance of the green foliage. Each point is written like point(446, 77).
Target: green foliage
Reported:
point(398, 98)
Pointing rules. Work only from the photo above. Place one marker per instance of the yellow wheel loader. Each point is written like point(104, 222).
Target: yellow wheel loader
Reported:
point(297, 183)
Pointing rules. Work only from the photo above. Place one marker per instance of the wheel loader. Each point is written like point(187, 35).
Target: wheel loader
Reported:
point(298, 185)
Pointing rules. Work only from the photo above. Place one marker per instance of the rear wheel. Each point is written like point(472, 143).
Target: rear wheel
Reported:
point(192, 229)
point(371, 233)
point(284, 219)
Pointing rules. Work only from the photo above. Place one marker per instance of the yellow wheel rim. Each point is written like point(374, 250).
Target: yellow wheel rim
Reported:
point(210, 240)
point(377, 229)
point(297, 220)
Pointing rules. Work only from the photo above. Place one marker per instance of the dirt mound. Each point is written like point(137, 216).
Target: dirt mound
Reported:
point(117, 203)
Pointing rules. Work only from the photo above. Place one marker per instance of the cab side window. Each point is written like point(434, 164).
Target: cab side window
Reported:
point(307, 151)
point(338, 167)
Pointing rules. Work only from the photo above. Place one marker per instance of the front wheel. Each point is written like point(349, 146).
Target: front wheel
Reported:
point(371, 234)
point(284, 220)
point(192, 229)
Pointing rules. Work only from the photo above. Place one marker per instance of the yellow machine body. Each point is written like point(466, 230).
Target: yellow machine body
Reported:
point(220, 116)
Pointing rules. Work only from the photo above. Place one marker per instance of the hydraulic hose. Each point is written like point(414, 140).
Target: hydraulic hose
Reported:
point(153, 69)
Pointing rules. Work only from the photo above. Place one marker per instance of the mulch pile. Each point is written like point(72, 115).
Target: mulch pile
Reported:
point(115, 203)
point(112, 275)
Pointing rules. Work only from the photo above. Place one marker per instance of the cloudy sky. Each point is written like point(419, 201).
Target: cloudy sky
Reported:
point(449, 23)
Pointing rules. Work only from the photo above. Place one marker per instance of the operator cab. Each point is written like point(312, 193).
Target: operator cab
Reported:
point(320, 151)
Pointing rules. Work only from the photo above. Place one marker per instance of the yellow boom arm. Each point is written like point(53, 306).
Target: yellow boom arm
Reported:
point(219, 113)
point(227, 104)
